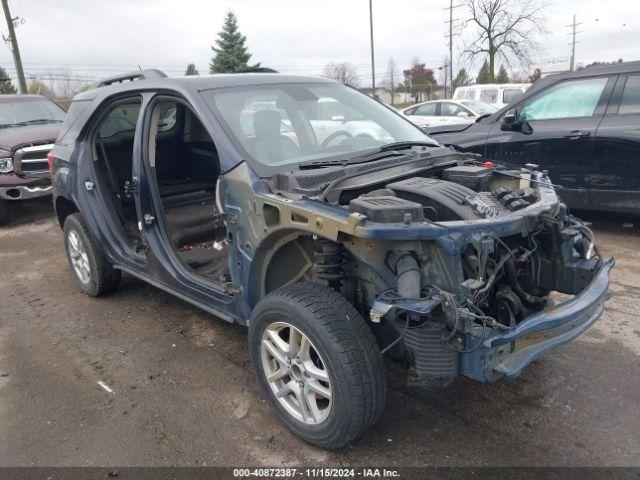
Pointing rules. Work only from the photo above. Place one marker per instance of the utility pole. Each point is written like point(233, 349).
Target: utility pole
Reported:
point(450, 36)
point(13, 42)
point(573, 42)
point(373, 67)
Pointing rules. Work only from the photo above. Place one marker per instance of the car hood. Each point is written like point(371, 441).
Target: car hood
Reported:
point(447, 128)
point(12, 137)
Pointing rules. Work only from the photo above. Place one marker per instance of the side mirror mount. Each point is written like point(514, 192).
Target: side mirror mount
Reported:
point(510, 121)
point(463, 114)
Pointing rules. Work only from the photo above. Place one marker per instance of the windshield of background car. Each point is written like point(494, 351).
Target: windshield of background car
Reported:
point(285, 124)
point(479, 107)
point(29, 111)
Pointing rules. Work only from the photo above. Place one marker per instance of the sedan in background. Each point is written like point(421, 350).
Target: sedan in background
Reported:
point(445, 112)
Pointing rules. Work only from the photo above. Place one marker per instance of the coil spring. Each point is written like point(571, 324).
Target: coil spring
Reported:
point(329, 261)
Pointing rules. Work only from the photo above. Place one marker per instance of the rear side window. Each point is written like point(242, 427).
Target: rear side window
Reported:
point(470, 94)
point(489, 95)
point(121, 119)
point(577, 98)
point(630, 102)
point(425, 110)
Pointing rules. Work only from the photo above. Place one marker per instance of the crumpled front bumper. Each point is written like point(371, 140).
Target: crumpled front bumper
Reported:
point(507, 354)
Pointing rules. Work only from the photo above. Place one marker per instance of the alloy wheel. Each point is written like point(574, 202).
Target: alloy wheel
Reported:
point(296, 373)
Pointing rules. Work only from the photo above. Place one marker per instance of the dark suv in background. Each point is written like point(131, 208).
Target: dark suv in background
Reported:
point(29, 125)
point(584, 127)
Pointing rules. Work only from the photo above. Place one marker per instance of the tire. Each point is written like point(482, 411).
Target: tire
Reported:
point(95, 275)
point(347, 354)
point(5, 211)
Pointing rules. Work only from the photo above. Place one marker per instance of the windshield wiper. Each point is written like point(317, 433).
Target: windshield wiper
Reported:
point(406, 144)
point(41, 120)
point(378, 153)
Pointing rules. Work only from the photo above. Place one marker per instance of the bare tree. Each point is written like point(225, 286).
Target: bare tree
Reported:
point(504, 28)
point(343, 72)
point(392, 78)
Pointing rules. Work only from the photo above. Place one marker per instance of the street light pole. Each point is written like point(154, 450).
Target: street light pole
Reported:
point(373, 68)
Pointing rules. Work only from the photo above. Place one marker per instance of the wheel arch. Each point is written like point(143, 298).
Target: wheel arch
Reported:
point(64, 207)
point(283, 258)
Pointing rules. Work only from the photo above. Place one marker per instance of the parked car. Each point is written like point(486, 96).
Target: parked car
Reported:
point(29, 125)
point(584, 127)
point(496, 94)
point(333, 254)
point(443, 112)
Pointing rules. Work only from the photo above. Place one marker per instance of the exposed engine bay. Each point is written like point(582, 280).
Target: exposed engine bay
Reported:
point(434, 301)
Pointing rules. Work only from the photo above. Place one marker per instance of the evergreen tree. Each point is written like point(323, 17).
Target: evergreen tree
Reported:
point(502, 77)
point(483, 74)
point(5, 83)
point(462, 79)
point(191, 70)
point(231, 53)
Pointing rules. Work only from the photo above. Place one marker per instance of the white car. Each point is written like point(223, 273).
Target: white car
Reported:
point(443, 112)
point(495, 94)
point(333, 122)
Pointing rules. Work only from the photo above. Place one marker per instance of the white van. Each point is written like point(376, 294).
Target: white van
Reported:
point(496, 94)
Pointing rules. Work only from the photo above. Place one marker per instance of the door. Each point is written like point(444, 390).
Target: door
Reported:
point(555, 129)
point(615, 179)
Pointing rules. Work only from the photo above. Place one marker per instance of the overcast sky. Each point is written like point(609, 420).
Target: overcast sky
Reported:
point(96, 38)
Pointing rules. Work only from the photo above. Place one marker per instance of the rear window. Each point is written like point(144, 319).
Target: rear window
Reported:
point(630, 102)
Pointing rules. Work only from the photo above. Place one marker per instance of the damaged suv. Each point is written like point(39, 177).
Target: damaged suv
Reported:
point(335, 252)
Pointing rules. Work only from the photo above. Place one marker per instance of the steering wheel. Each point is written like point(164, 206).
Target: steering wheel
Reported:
point(333, 136)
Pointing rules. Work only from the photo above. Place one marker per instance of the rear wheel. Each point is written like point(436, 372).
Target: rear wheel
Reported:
point(95, 275)
point(318, 363)
point(4, 212)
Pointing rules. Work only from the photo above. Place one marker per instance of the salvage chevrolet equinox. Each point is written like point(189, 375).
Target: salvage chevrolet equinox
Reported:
point(337, 239)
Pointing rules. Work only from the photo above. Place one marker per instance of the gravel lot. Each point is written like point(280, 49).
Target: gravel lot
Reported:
point(184, 392)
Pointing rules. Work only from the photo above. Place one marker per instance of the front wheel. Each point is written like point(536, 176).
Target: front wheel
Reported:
point(318, 363)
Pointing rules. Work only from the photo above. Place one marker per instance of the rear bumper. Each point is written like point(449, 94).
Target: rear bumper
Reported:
point(23, 192)
point(507, 355)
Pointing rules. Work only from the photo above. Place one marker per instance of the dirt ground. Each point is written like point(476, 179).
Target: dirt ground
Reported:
point(184, 392)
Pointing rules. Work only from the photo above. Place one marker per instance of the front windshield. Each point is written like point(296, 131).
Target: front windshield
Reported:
point(479, 107)
point(285, 124)
point(29, 111)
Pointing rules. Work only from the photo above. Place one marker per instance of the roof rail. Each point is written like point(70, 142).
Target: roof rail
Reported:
point(257, 70)
point(130, 77)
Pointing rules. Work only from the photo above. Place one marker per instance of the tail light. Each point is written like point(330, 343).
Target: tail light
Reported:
point(50, 158)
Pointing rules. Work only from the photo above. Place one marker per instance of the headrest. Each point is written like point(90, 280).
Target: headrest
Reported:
point(266, 123)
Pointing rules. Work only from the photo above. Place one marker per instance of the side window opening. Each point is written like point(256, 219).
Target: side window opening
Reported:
point(186, 165)
point(570, 99)
point(630, 102)
point(489, 95)
point(113, 153)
